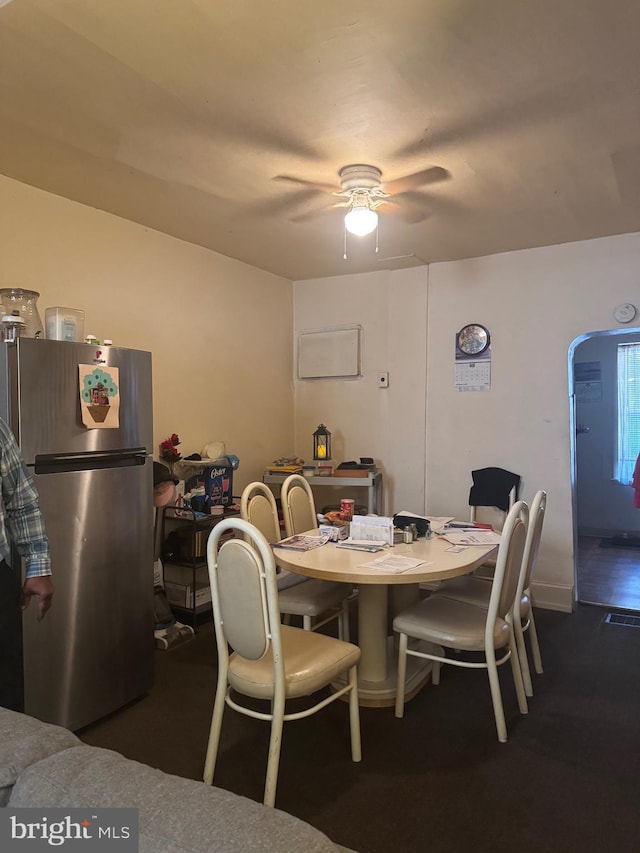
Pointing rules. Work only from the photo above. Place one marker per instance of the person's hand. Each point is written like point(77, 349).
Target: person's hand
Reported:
point(42, 589)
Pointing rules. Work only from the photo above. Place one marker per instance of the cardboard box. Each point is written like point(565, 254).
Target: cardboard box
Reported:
point(178, 574)
point(218, 484)
point(182, 596)
point(334, 532)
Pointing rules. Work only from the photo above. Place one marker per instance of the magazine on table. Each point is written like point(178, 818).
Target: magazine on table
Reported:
point(301, 542)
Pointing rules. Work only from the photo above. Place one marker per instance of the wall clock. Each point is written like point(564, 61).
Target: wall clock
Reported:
point(625, 313)
point(473, 339)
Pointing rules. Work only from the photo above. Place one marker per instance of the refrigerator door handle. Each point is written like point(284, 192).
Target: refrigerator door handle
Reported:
point(56, 463)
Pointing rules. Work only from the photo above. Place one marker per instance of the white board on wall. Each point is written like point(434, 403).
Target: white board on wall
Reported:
point(329, 353)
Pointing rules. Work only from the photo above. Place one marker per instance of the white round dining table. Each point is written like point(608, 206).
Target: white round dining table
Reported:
point(381, 596)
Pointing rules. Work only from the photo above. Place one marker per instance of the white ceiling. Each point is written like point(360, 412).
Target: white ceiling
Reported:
point(182, 116)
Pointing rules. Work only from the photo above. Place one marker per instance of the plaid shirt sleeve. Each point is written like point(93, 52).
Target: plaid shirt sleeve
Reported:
point(20, 510)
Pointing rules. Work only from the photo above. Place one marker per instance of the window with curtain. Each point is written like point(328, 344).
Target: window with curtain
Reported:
point(628, 411)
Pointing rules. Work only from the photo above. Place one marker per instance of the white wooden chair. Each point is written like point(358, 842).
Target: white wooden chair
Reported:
point(268, 661)
point(298, 505)
point(316, 602)
point(447, 623)
point(477, 590)
point(523, 610)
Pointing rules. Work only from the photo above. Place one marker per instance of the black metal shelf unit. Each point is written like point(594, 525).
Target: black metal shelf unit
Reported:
point(184, 557)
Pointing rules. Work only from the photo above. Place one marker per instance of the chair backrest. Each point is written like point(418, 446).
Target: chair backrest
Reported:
point(244, 595)
point(534, 534)
point(493, 493)
point(298, 506)
point(508, 565)
point(258, 507)
point(491, 514)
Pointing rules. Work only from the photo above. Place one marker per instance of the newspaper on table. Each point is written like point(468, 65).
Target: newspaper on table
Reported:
point(301, 542)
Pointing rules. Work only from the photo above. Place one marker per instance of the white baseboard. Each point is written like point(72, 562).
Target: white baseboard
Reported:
point(553, 597)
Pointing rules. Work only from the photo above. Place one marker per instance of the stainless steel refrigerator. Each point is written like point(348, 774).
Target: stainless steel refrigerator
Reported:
point(93, 651)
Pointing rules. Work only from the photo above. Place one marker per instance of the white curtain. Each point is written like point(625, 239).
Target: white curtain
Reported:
point(628, 411)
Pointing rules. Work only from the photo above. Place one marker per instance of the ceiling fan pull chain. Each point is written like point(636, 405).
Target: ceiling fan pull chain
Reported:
point(377, 232)
point(345, 243)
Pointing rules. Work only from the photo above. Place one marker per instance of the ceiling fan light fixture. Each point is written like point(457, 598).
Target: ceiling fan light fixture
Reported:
point(360, 220)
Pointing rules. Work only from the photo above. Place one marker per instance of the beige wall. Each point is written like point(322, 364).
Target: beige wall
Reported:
point(219, 330)
point(535, 304)
point(365, 420)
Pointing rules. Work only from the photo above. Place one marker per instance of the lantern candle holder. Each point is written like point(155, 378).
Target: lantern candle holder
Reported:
point(322, 444)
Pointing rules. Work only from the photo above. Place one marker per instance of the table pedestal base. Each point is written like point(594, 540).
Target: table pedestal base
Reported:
point(382, 694)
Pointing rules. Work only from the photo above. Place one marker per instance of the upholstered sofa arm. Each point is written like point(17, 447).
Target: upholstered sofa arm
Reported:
point(46, 766)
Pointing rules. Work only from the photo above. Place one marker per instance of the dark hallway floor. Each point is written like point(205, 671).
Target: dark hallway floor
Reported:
point(608, 576)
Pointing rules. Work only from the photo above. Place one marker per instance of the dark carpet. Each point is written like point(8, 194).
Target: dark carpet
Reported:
point(438, 780)
point(620, 542)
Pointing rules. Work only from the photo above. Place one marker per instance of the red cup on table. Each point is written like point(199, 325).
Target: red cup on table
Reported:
point(346, 508)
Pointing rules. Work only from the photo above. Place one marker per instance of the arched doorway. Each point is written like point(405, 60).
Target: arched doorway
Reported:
point(602, 507)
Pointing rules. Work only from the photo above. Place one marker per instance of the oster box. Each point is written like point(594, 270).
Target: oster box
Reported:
point(218, 484)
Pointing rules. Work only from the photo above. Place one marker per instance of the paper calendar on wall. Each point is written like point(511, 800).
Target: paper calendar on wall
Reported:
point(473, 373)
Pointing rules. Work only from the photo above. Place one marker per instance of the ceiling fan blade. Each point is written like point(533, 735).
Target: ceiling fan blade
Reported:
point(326, 188)
point(409, 214)
point(414, 206)
point(307, 215)
point(285, 204)
point(433, 202)
point(311, 214)
point(432, 175)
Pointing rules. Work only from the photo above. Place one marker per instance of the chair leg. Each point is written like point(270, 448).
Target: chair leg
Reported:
point(275, 743)
point(517, 675)
point(402, 675)
point(523, 658)
point(496, 698)
point(215, 729)
point(435, 672)
point(535, 648)
point(354, 716)
point(306, 623)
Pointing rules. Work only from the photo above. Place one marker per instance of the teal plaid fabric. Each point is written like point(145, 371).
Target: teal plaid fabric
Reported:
point(21, 521)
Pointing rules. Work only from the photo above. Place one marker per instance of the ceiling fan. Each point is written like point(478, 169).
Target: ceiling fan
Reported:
point(362, 190)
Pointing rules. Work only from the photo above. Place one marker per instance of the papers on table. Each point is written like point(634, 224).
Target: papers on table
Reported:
point(472, 537)
point(394, 563)
point(300, 542)
point(437, 522)
point(444, 524)
point(378, 528)
point(369, 545)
